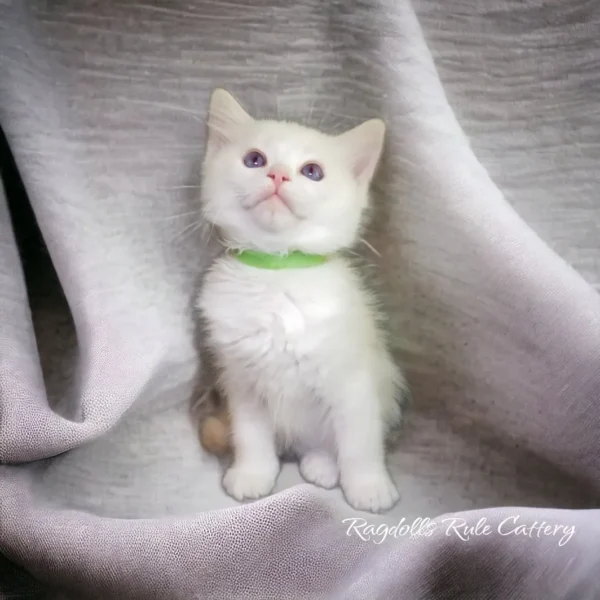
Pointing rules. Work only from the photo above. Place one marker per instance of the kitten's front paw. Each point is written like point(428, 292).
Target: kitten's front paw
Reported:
point(250, 481)
point(319, 468)
point(373, 492)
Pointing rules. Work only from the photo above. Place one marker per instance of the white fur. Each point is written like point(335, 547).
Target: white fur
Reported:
point(303, 364)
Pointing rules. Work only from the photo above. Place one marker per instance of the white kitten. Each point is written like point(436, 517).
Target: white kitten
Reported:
point(302, 362)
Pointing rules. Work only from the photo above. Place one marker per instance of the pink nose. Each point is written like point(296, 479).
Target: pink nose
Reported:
point(278, 176)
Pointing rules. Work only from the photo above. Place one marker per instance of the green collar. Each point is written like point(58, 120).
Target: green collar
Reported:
point(293, 260)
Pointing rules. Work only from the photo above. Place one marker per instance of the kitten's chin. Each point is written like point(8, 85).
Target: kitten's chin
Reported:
point(273, 216)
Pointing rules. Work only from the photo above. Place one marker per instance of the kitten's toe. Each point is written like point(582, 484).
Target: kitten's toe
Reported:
point(319, 468)
point(250, 481)
point(373, 492)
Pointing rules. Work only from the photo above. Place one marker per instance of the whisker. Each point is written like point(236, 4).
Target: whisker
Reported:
point(187, 230)
point(370, 247)
point(210, 223)
point(324, 115)
point(180, 215)
point(308, 118)
point(179, 187)
point(167, 105)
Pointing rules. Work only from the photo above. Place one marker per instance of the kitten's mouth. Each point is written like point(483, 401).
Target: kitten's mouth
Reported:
point(276, 199)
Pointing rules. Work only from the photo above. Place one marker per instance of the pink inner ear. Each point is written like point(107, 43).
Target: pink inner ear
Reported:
point(361, 165)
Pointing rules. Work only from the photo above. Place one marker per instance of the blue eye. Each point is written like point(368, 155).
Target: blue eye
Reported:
point(312, 171)
point(254, 159)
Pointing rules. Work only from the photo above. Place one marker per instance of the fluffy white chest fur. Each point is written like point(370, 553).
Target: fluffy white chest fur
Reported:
point(303, 366)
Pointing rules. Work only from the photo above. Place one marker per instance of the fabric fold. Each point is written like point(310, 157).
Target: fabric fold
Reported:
point(485, 238)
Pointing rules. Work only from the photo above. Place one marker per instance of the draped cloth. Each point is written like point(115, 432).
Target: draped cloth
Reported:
point(486, 237)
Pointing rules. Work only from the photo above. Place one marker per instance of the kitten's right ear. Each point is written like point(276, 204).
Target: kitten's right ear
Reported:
point(364, 145)
point(225, 116)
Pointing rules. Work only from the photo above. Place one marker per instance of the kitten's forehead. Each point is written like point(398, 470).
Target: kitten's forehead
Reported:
point(287, 135)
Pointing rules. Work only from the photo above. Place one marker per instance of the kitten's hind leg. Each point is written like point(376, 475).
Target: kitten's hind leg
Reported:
point(319, 467)
point(256, 465)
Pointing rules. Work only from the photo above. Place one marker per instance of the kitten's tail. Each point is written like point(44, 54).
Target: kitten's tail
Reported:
point(214, 423)
point(215, 431)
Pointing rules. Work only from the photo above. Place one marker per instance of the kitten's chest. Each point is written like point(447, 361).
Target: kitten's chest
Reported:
point(271, 311)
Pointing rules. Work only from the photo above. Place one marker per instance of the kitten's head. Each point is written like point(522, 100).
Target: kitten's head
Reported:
point(277, 186)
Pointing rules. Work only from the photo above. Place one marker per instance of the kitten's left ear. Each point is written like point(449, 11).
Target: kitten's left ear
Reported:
point(225, 116)
point(364, 145)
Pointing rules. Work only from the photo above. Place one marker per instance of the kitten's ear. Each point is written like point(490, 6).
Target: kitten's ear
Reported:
point(225, 115)
point(363, 145)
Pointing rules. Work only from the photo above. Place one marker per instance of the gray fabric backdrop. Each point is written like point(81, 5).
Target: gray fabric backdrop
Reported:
point(490, 248)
